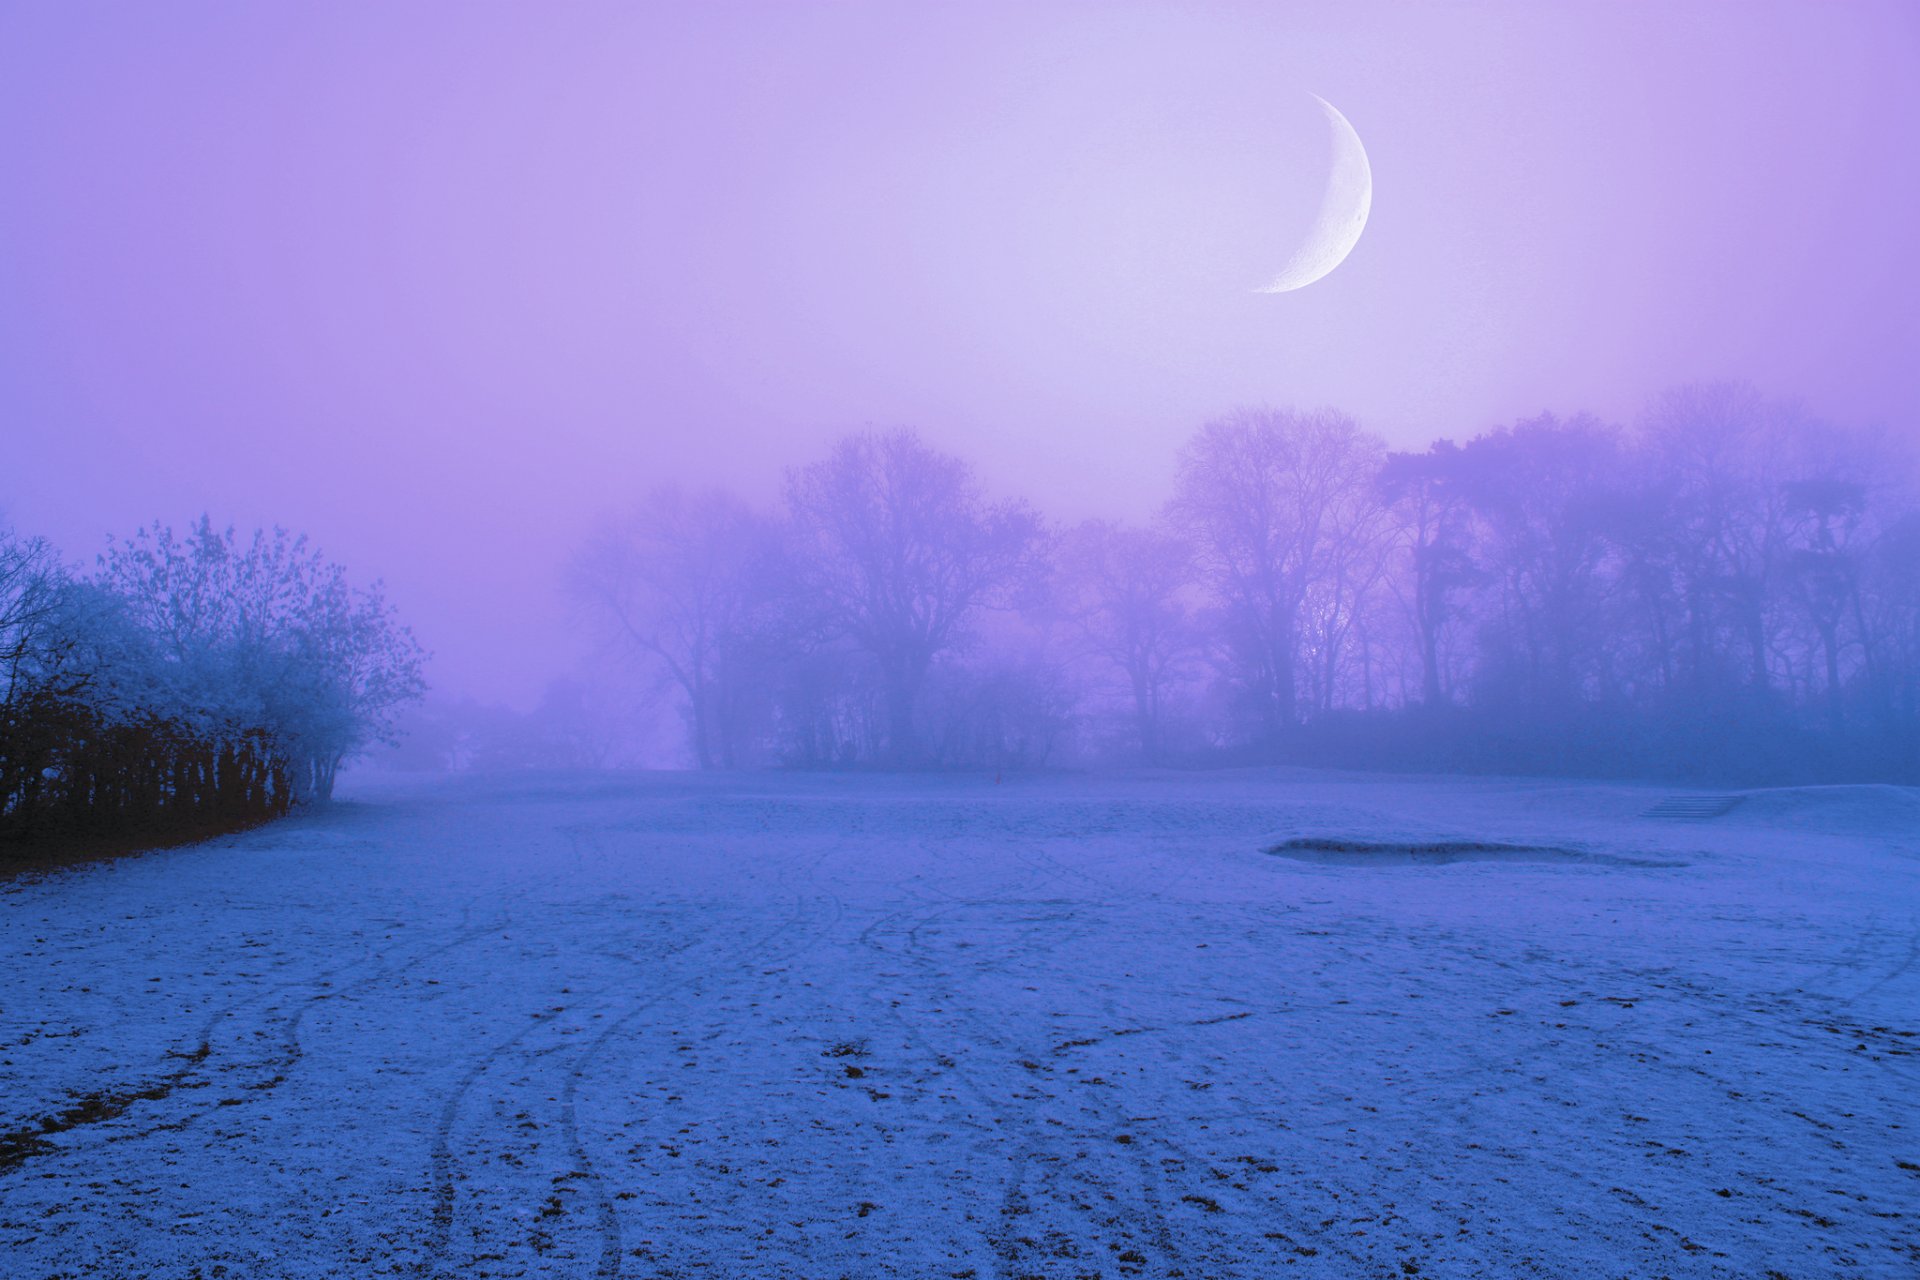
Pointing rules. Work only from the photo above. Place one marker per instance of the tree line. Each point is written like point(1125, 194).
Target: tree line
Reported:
point(192, 683)
point(1727, 588)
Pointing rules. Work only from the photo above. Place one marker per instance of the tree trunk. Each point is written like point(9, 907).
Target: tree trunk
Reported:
point(1146, 717)
point(903, 688)
point(702, 727)
point(1830, 641)
point(1285, 701)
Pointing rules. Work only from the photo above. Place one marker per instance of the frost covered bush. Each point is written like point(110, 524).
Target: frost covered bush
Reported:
point(196, 682)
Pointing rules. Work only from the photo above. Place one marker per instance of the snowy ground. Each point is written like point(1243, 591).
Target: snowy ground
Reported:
point(1060, 1027)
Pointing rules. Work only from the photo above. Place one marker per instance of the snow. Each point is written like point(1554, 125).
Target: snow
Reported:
point(666, 1025)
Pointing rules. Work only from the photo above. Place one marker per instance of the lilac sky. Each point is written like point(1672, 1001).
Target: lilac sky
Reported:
point(439, 283)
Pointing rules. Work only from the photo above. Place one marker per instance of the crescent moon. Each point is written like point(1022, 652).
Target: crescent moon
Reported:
point(1343, 210)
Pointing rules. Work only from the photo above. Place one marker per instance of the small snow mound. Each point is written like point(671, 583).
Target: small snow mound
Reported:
point(1341, 851)
point(1867, 809)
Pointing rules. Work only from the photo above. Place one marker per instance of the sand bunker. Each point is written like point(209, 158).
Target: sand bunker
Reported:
point(1427, 853)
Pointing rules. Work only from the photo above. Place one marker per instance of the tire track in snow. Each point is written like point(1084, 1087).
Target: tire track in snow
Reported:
point(1155, 1189)
point(1039, 1157)
point(987, 1099)
point(763, 951)
point(443, 1165)
point(100, 1105)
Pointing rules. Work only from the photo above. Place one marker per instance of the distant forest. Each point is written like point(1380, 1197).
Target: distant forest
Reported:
point(195, 683)
point(1728, 590)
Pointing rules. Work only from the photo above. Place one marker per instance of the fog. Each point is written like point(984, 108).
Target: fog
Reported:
point(1221, 638)
point(452, 298)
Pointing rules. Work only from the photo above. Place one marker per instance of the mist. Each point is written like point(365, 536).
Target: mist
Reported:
point(445, 297)
point(1057, 641)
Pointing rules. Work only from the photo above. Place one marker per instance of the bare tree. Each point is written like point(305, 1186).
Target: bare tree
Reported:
point(901, 549)
point(1722, 458)
point(1336, 650)
point(683, 582)
point(1546, 493)
point(30, 581)
point(1127, 592)
point(1893, 605)
point(1433, 522)
point(1263, 495)
point(1823, 570)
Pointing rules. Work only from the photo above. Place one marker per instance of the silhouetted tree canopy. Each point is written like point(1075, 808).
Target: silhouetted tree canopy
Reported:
point(900, 550)
point(1727, 587)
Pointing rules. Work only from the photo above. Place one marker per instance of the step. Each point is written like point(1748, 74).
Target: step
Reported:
point(1691, 808)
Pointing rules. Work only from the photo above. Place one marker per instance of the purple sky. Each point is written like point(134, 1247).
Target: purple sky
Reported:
point(440, 283)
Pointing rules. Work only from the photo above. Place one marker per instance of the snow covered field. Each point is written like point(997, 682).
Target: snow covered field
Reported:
point(780, 1026)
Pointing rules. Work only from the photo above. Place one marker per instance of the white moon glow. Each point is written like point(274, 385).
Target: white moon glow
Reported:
point(1343, 210)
